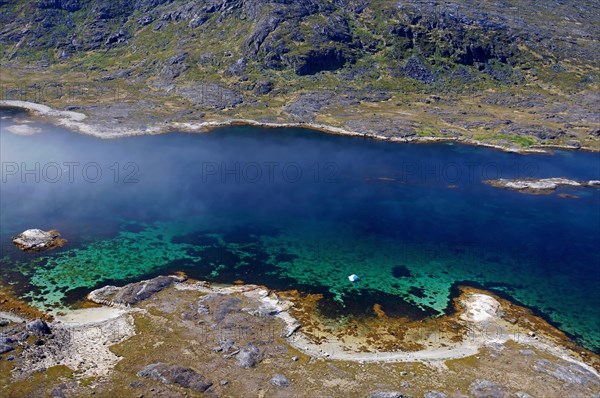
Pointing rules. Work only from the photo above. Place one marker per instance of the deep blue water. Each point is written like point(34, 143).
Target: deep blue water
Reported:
point(296, 208)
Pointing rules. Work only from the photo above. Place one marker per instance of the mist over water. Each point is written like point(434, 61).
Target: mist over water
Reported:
point(292, 208)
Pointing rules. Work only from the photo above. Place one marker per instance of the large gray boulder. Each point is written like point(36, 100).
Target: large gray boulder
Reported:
point(38, 327)
point(175, 374)
point(279, 380)
point(248, 356)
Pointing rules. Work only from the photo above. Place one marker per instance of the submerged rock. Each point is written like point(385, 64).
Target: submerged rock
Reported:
point(174, 374)
point(38, 240)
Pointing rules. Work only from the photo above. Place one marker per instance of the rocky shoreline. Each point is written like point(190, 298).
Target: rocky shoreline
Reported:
point(76, 121)
point(541, 185)
point(256, 331)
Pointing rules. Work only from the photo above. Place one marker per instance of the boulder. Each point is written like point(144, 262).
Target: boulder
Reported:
point(175, 374)
point(279, 380)
point(248, 356)
point(38, 240)
point(38, 327)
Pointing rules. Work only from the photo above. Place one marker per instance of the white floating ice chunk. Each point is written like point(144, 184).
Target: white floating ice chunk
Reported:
point(353, 278)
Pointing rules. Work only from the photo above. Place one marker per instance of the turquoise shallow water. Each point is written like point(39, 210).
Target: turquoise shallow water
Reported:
point(292, 208)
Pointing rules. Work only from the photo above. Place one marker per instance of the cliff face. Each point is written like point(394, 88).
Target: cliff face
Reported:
point(421, 40)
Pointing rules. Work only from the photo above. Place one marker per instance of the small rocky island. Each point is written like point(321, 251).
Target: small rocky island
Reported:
point(542, 185)
point(38, 240)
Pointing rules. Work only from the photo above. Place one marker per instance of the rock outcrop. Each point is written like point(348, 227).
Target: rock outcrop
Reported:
point(386, 394)
point(569, 373)
point(38, 327)
point(174, 374)
point(487, 389)
point(248, 356)
point(38, 240)
point(279, 380)
point(542, 185)
point(132, 293)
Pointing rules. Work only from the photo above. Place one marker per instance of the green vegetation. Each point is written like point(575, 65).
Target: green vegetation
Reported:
point(528, 55)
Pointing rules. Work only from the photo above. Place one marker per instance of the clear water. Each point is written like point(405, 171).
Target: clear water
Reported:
point(292, 208)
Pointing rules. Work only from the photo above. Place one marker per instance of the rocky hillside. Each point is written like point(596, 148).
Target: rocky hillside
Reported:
point(292, 56)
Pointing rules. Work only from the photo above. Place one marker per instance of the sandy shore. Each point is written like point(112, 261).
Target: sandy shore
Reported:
point(77, 121)
point(87, 316)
